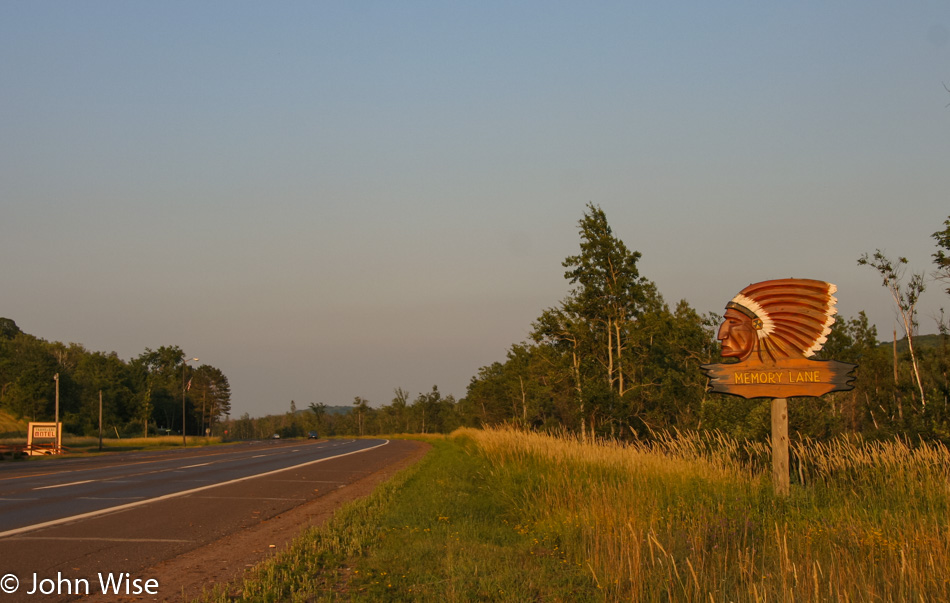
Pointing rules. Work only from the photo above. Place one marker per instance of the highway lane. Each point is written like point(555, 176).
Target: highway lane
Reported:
point(58, 492)
point(136, 513)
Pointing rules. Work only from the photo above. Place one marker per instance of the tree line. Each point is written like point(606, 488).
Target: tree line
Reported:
point(613, 358)
point(428, 412)
point(140, 397)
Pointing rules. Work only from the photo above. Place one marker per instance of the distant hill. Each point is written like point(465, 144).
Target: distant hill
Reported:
point(331, 410)
point(921, 343)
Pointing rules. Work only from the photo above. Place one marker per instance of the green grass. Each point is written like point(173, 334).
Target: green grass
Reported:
point(91, 444)
point(446, 529)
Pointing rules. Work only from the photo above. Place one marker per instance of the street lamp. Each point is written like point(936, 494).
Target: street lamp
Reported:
point(184, 367)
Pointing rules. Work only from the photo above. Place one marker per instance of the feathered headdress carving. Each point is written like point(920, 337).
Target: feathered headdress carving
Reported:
point(792, 317)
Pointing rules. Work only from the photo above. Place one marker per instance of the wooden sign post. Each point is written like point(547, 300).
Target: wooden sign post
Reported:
point(780, 479)
point(773, 328)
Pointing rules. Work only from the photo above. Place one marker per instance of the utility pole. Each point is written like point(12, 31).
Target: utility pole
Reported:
point(184, 367)
point(56, 415)
point(100, 420)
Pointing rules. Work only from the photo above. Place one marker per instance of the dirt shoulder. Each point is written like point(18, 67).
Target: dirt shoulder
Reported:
point(186, 576)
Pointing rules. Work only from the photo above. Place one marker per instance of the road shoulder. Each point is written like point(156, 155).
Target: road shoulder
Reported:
point(227, 559)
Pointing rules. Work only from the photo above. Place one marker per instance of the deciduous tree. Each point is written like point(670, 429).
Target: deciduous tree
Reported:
point(608, 289)
point(905, 296)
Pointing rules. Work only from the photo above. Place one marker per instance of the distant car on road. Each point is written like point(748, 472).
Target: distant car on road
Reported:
point(313, 435)
point(276, 436)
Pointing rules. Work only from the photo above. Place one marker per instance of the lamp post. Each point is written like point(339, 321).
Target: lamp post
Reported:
point(184, 367)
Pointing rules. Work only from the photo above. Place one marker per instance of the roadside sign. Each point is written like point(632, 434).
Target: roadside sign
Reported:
point(38, 432)
point(773, 328)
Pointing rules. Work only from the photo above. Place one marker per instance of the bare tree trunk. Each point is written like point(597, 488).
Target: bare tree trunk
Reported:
point(907, 317)
point(610, 354)
point(524, 402)
point(576, 364)
point(619, 359)
point(913, 361)
point(895, 353)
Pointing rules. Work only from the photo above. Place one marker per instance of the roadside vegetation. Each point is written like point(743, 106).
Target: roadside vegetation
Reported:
point(508, 515)
point(10, 424)
point(447, 528)
point(693, 517)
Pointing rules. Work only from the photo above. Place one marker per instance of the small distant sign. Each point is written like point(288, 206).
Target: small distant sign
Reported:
point(50, 432)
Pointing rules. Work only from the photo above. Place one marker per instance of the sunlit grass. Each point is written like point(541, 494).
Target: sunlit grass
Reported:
point(11, 425)
point(693, 517)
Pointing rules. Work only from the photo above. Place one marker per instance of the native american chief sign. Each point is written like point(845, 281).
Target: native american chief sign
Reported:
point(774, 328)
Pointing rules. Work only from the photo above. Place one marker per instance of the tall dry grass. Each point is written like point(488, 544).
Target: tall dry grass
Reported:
point(692, 517)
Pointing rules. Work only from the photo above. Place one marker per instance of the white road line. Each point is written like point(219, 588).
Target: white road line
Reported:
point(81, 538)
point(64, 485)
point(306, 481)
point(198, 465)
point(243, 498)
point(144, 462)
point(138, 503)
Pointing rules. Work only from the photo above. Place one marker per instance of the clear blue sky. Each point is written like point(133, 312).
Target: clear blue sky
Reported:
point(328, 200)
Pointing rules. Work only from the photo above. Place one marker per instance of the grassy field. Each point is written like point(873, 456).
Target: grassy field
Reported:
point(502, 515)
point(693, 517)
point(10, 425)
point(81, 444)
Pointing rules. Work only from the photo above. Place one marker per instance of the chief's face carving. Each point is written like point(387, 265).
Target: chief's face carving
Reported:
point(737, 335)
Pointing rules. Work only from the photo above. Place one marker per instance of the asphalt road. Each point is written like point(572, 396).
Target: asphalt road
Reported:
point(72, 522)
